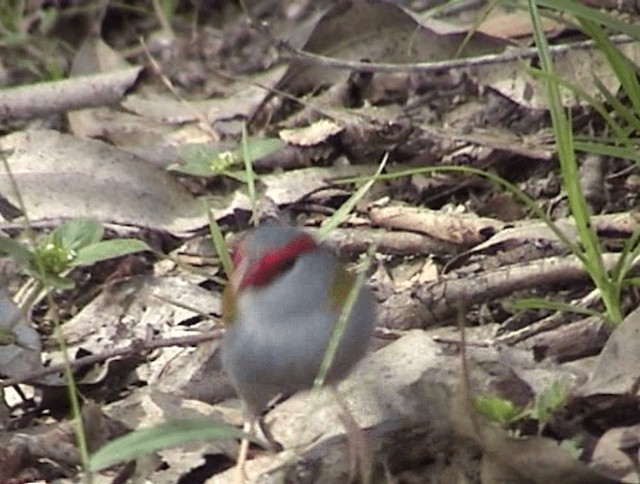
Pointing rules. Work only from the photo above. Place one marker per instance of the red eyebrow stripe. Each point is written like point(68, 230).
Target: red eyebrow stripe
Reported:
point(274, 260)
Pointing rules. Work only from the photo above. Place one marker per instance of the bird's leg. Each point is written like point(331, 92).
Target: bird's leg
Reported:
point(241, 463)
point(274, 445)
point(360, 452)
point(249, 428)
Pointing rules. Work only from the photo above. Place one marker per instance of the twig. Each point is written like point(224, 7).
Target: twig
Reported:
point(509, 55)
point(138, 346)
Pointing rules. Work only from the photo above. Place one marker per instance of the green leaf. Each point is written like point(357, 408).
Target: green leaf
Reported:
point(247, 158)
point(623, 152)
point(55, 280)
point(51, 257)
point(549, 400)
point(345, 209)
point(497, 409)
point(168, 434)
point(540, 303)
point(202, 160)
point(573, 446)
point(108, 249)
point(256, 148)
point(582, 11)
point(219, 244)
point(19, 252)
point(78, 233)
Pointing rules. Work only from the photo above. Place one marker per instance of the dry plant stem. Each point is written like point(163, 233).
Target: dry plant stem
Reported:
point(360, 450)
point(135, 348)
point(509, 55)
point(48, 98)
point(465, 377)
point(162, 19)
point(203, 122)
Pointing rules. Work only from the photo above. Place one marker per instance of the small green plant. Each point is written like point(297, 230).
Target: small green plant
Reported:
point(548, 401)
point(77, 242)
point(498, 410)
point(505, 413)
point(589, 251)
point(201, 160)
point(48, 260)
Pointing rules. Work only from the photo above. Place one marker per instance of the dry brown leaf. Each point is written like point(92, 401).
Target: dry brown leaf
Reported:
point(60, 176)
point(618, 368)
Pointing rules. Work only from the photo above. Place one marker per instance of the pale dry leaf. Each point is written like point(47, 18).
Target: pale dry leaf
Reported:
point(516, 24)
point(290, 186)
point(578, 67)
point(315, 134)
point(609, 457)
point(379, 31)
point(60, 176)
point(93, 57)
point(618, 366)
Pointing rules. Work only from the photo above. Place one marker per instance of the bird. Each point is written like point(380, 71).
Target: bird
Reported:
point(280, 308)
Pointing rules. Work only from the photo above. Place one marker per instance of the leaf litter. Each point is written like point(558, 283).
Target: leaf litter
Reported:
point(439, 257)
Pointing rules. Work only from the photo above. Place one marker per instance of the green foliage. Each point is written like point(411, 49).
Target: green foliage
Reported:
point(11, 17)
point(582, 12)
point(505, 413)
point(548, 401)
point(589, 250)
point(71, 244)
point(201, 160)
point(220, 244)
point(573, 446)
point(162, 436)
point(340, 215)
point(498, 410)
point(168, 7)
point(540, 303)
point(19, 31)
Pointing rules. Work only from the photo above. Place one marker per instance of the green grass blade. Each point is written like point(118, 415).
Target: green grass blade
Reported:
point(168, 434)
point(582, 11)
point(251, 177)
point(539, 303)
point(568, 165)
point(622, 152)
point(220, 245)
point(345, 209)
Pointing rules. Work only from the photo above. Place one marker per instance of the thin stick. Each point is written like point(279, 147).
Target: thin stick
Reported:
point(138, 346)
point(359, 448)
